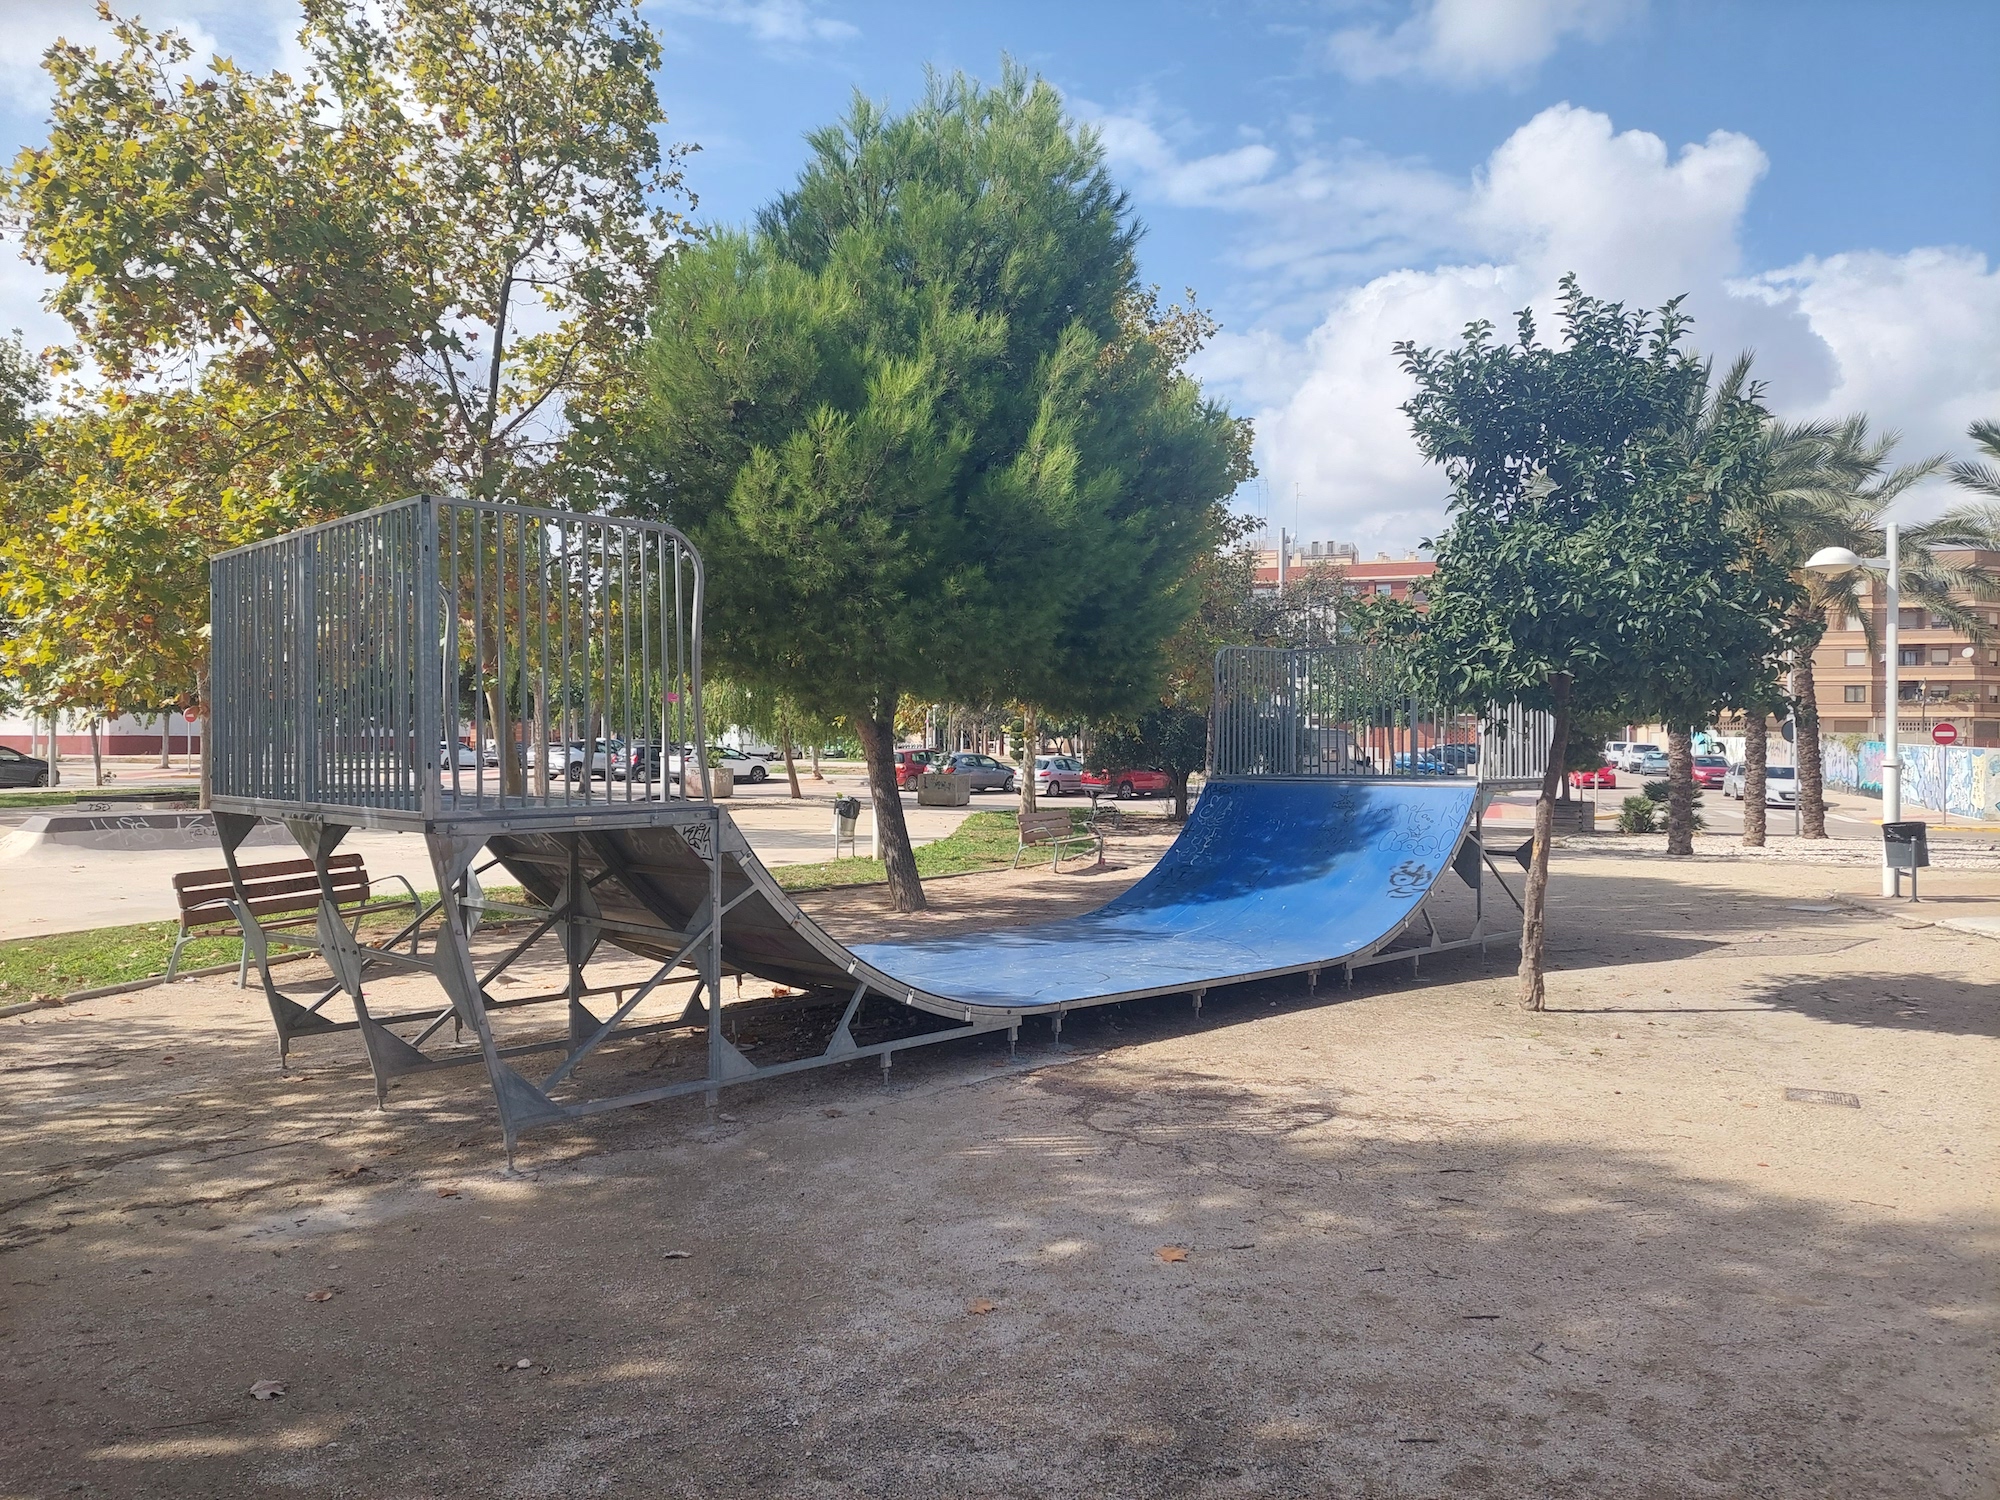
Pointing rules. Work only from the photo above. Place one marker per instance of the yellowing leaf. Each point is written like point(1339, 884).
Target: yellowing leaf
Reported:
point(1170, 1253)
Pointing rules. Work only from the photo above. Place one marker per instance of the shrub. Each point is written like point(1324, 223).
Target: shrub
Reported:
point(1639, 815)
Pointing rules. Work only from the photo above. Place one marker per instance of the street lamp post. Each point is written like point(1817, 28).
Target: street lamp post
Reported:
point(1841, 560)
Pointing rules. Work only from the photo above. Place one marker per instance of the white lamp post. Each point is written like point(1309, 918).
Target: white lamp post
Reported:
point(1841, 560)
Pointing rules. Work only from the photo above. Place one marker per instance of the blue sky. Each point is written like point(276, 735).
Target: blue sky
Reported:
point(1819, 178)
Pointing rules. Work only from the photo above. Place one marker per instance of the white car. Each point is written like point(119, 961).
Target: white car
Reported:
point(467, 756)
point(1781, 784)
point(1058, 776)
point(1614, 752)
point(745, 765)
point(1634, 755)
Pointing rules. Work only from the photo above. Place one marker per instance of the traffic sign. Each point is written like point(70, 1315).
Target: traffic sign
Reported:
point(1945, 734)
point(191, 715)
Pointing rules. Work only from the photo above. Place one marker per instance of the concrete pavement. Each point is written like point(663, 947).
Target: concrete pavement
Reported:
point(45, 890)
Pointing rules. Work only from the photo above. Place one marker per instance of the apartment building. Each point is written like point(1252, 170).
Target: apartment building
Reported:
point(1391, 577)
point(1943, 675)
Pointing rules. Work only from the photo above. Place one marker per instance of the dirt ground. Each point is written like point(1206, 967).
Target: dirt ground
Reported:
point(1403, 1240)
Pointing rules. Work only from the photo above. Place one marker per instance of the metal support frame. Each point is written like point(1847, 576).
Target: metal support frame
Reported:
point(463, 1032)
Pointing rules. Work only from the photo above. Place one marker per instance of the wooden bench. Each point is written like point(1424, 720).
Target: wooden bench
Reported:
point(283, 897)
point(1054, 828)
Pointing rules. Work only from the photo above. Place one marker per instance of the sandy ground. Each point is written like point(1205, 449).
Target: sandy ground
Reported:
point(1433, 1245)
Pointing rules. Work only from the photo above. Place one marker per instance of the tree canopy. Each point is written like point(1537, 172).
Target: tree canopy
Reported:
point(1591, 561)
point(928, 429)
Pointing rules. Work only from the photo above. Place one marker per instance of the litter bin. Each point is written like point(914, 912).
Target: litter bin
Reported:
point(846, 813)
point(1906, 846)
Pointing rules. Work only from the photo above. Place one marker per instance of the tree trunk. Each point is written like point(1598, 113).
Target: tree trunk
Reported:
point(1680, 790)
point(97, 751)
point(791, 765)
point(166, 740)
point(899, 860)
point(1756, 755)
point(1030, 743)
point(513, 783)
point(1179, 781)
point(1534, 900)
point(815, 753)
point(1805, 750)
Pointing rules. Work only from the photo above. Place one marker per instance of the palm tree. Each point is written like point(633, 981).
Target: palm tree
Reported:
point(1856, 519)
point(1976, 523)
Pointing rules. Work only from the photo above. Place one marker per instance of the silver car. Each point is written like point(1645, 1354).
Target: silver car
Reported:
point(1058, 776)
point(988, 774)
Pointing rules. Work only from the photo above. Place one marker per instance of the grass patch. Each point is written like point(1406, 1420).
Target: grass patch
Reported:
point(43, 968)
point(41, 797)
point(984, 841)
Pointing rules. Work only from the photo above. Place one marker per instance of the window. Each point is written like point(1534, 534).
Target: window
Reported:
point(1909, 656)
point(1855, 694)
point(1856, 659)
point(1854, 622)
point(1910, 619)
point(1384, 588)
point(9, 754)
point(1940, 656)
point(1939, 622)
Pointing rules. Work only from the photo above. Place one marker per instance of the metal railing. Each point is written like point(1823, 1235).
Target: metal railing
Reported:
point(1352, 711)
point(440, 655)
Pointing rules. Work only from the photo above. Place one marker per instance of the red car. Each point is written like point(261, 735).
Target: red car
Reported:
point(1139, 781)
point(910, 764)
point(1602, 776)
point(1709, 769)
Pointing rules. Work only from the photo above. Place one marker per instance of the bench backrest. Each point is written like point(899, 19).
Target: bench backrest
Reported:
point(281, 888)
point(1040, 827)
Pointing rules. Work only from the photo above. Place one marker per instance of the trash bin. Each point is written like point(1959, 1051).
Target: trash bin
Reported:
point(1906, 846)
point(846, 813)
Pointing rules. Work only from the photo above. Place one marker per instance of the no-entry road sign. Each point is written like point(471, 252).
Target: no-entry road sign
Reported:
point(1945, 734)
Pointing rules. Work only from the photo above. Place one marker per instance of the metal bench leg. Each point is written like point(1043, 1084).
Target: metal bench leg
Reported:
point(174, 958)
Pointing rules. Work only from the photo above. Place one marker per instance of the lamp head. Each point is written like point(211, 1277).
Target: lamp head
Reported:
point(1833, 560)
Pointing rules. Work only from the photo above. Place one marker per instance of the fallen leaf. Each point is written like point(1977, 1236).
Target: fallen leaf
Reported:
point(981, 1307)
point(1170, 1253)
point(324, 1294)
point(353, 1171)
point(524, 1364)
point(447, 1192)
point(270, 1390)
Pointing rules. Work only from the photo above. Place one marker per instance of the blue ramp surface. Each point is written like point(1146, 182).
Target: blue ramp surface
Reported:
point(1267, 877)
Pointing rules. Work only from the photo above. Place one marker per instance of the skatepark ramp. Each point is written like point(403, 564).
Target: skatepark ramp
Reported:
point(1336, 803)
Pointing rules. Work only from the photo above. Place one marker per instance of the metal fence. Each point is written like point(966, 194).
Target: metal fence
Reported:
point(1352, 711)
point(443, 655)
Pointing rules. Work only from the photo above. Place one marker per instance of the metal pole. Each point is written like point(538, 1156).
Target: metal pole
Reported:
point(1892, 753)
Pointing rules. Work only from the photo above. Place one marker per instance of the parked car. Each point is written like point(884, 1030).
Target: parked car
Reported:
point(1133, 781)
point(910, 764)
point(1652, 763)
point(580, 758)
point(1602, 776)
point(1635, 752)
point(1614, 751)
point(17, 769)
point(744, 765)
point(988, 774)
point(1781, 784)
point(466, 755)
point(1463, 754)
point(1709, 770)
point(1427, 763)
point(1058, 775)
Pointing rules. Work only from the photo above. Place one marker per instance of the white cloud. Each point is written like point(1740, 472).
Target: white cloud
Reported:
point(777, 23)
point(1912, 339)
point(1466, 42)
